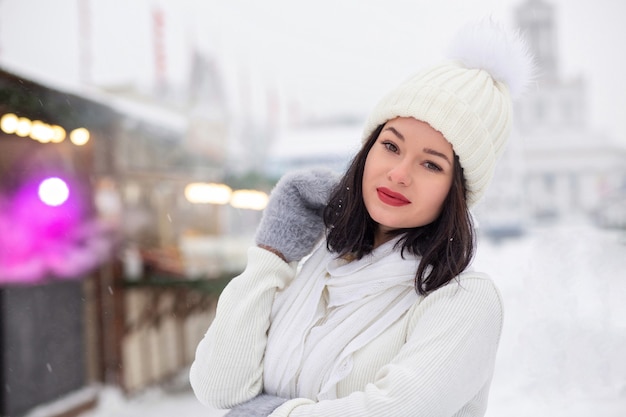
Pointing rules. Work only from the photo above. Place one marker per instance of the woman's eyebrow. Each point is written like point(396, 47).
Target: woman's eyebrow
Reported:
point(395, 132)
point(437, 153)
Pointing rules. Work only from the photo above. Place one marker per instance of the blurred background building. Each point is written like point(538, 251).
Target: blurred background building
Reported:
point(557, 167)
point(114, 280)
point(166, 153)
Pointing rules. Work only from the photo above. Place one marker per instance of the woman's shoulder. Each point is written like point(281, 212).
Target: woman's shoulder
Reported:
point(471, 299)
point(471, 288)
point(476, 282)
point(472, 275)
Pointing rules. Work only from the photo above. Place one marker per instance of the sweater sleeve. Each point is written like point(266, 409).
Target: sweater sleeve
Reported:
point(447, 360)
point(228, 366)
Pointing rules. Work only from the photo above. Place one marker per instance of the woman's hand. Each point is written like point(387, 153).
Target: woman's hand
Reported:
point(292, 221)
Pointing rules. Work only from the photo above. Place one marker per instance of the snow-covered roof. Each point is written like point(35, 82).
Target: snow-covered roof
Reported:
point(149, 111)
point(317, 141)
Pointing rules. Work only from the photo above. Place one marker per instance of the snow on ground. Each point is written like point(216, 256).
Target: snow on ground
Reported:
point(562, 346)
point(153, 403)
point(564, 336)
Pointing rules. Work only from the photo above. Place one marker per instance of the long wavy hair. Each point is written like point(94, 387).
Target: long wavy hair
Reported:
point(446, 246)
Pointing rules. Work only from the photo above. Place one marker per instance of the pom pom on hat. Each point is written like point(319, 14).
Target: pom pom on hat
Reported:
point(488, 46)
point(467, 99)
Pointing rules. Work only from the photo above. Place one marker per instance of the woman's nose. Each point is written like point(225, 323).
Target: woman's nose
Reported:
point(400, 174)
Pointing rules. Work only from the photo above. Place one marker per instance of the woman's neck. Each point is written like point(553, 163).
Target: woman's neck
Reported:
point(382, 236)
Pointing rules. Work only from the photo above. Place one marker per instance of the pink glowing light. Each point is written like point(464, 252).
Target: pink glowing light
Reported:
point(46, 233)
point(53, 191)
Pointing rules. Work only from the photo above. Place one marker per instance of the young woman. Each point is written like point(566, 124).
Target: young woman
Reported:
point(384, 317)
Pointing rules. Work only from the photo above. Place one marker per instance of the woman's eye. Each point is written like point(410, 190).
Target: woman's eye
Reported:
point(432, 167)
point(390, 146)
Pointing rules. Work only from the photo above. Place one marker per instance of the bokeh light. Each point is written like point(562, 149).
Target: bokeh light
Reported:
point(80, 136)
point(249, 199)
point(23, 127)
point(53, 191)
point(8, 123)
point(41, 132)
point(208, 193)
point(58, 134)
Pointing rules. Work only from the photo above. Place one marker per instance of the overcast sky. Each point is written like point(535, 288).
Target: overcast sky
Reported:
point(331, 55)
point(346, 54)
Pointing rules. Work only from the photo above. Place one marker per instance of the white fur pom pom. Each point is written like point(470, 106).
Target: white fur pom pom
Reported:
point(505, 55)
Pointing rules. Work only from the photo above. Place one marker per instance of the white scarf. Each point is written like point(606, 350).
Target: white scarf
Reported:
point(332, 309)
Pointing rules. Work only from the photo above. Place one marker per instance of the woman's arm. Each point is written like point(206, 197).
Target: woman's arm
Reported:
point(447, 361)
point(228, 367)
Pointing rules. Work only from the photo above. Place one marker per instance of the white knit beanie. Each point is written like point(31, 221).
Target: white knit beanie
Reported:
point(467, 99)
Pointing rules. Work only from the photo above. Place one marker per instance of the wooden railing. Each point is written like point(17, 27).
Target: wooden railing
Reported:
point(156, 324)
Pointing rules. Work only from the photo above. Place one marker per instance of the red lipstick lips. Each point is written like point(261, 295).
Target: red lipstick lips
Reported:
point(391, 198)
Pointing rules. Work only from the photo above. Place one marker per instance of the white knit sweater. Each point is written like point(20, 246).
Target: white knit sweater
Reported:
point(437, 360)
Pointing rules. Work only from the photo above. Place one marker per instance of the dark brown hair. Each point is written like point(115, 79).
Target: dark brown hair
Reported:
point(446, 245)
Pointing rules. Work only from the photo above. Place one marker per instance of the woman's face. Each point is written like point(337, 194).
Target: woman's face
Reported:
point(407, 175)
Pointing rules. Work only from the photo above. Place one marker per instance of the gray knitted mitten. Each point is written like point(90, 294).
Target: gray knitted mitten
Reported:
point(260, 406)
point(292, 221)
